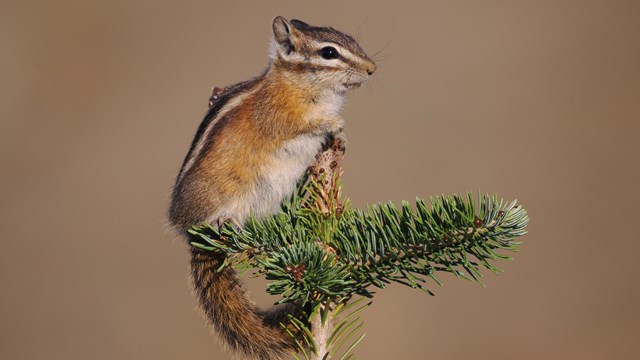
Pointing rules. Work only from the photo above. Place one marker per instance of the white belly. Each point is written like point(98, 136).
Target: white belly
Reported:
point(283, 172)
point(278, 178)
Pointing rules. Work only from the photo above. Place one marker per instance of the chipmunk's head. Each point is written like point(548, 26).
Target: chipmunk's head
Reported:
point(322, 57)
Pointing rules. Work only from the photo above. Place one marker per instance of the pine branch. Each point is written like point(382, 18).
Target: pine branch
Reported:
point(320, 253)
point(374, 247)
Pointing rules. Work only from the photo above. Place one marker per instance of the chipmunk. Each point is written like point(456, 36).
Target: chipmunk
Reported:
point(257, 139)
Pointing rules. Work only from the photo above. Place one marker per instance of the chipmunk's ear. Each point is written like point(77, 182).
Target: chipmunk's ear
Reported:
point(282, 35)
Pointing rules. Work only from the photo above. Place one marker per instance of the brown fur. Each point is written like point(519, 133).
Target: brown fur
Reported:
point(243, 146)
point(242, 325)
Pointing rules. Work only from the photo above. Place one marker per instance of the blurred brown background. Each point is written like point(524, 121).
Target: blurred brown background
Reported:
point(535, 100)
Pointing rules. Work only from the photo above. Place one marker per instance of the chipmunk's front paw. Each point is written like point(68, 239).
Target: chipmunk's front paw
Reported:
point(331, 125)
point(339, 142)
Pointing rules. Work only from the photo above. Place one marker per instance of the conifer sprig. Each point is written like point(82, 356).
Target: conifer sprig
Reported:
point(320, 253)
point(385, 243)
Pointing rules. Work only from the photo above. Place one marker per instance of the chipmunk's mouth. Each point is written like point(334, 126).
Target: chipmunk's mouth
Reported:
point(354, 81)
point(352, 85)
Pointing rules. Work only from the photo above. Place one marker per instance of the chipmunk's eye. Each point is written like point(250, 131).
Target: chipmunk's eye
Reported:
point(329, 52)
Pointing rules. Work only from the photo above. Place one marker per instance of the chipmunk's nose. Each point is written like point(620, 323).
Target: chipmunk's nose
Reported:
point(371, 68)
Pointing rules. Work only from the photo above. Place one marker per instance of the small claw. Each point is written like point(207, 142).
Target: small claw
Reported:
point(339, 142)
point(222, 221)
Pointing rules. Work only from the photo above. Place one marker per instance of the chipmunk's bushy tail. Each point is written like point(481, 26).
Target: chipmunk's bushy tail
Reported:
point(243, 326)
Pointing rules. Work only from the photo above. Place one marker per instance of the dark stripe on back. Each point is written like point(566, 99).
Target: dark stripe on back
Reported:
point(226, 96)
